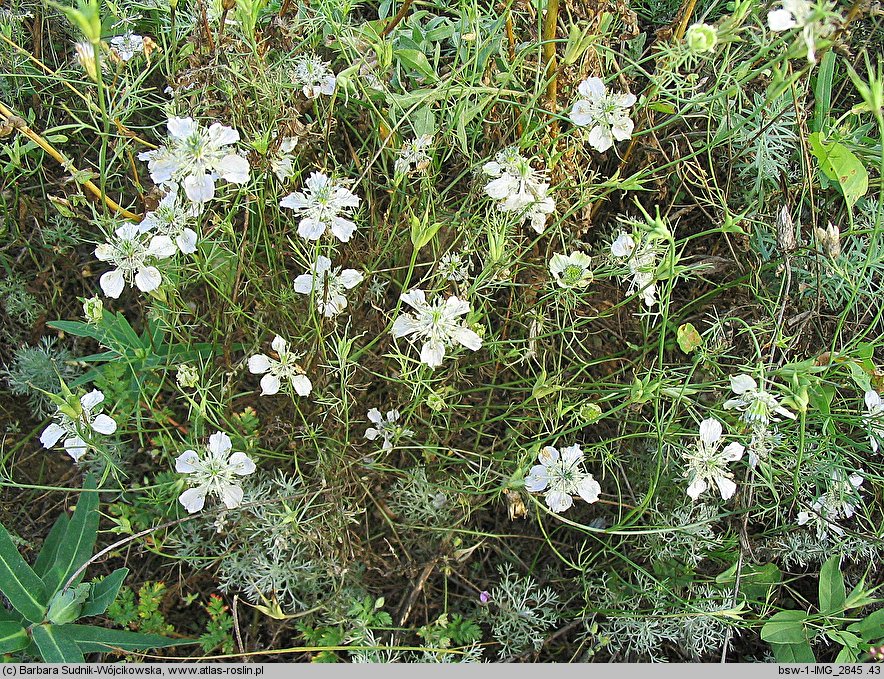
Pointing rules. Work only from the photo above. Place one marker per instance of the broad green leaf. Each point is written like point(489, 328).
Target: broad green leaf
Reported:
point(18, 581)
point(49, 551)
point(755, 581)
point(79, 540)
point(416, 60)
point(103, 593)
point(793, 653)
point(870, 628)
point(839, 164)
point(847, 654)
point(831, 587)
point(97, 639)
point(785, 627)
point(13, 637)
point(423, 121)
point(56, 645)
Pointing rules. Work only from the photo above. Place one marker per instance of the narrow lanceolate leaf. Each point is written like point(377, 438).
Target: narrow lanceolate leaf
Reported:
point(92, 639)
point(79, 540)
point(104, 593)
point(13, 637)
point(19, 583)
point(55, 644)
point(49, 551)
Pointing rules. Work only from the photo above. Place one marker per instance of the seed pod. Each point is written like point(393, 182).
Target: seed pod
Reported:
point(785, 231)
point(829, 239)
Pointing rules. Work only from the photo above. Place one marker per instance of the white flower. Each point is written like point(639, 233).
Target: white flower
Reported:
point(283, 162)
point(623, 245)
point(320, 207)
point(804, 15)
point(76, 422)
point(562, 476)
point(213, 474)
point(519, 188)
point(874, 418)
point(314, 75)
point(188, 376)
point(128, 45)
point(413, 156)
point(605, 113)
point(171, 218)
point(571, 271)
point(197, 157)
point(327, 286)
point(838, 502)
point(387, 428)
point(455, 266)
point(438, 324)
point(641, 258)
point(707, 465)
point(757, 405)
point(278, 371)
point(132, 258)
point(85, 53)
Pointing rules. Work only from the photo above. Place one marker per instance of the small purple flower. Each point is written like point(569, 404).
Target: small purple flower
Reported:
point(484, 597)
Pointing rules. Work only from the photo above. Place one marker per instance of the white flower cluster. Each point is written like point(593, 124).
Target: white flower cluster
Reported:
point(133, 254)
point(439, 325)
point(413, 156)
point(75, 424)
point(196, 158)
point(314, 76)
point(707, 465)
point(320, 207)
point(810, 17)
point(385, 428)
point(519, 188)
point(641, 257)
point(127, 45)
point(560, 476)
point(280, 372)
point(604, 113)
point(571, 271)
point(214, 472)
point(327, 285)
point(838, 502)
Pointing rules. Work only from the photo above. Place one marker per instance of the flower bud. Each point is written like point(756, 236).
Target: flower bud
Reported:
point(93, 310)
point(66, 605)
point(701, 38)
point(86, 56)
point(188, 376)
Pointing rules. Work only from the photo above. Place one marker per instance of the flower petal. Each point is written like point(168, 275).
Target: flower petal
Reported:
point(51, 435)
point(270, 385)
point(259, 364)
point(112, 283)
point(302, 385)
point(148, 278)
point(104, 424)
point(241, 464)
point(231, 496)
point(188, 462)
point(193, 499)
point(219, 444)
